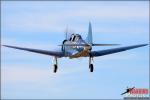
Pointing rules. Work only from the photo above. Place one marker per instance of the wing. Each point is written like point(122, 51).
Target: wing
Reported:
point(45, 52)
point(114, 50)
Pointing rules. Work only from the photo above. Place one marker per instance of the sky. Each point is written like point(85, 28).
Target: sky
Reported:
point(42, 24)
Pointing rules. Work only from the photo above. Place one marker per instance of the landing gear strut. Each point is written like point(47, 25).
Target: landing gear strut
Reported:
point(55, 68)
point(55, 65)
point(91, 67)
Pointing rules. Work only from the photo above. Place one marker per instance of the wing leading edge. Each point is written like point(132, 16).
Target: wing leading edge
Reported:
point(114, 50)
point(51, 53)
point(92, 54)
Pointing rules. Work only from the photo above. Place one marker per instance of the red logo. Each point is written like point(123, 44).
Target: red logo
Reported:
point(136, 93)
point(139, 91)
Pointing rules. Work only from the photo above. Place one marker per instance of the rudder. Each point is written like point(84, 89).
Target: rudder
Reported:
point(89, 38)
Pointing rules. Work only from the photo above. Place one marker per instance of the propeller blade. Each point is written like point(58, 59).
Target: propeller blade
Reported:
point(66, 32)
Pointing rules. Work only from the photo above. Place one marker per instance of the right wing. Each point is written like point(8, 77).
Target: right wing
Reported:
point(45, 52)
point(114, 50)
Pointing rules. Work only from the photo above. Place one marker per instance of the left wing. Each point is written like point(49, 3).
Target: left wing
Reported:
point(114, 50)
point(46, 52)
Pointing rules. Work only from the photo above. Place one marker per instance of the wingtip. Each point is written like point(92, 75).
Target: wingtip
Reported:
point(141, 45)
point(145, 44)
point(5, 45)
point(8, 46)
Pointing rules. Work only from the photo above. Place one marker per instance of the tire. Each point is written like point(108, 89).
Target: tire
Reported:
point(55, 68)
point(91, 68)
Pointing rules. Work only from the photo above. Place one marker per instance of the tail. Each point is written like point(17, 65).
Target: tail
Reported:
point(89, 38)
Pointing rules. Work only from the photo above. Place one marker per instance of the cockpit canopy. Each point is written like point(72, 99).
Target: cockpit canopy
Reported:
point(75, 37)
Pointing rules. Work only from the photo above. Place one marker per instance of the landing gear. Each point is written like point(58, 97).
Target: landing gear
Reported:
point(55, 68)
point(55, 65)
point(91, 67)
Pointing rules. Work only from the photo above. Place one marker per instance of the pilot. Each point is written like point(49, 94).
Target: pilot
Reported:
point(78, 37)
point(72, 38)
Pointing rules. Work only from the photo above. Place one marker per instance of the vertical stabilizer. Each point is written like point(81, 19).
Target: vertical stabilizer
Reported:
point(89, 36)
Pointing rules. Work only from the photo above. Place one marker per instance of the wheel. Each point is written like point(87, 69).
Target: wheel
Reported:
point(91, 67)
point(55, 68)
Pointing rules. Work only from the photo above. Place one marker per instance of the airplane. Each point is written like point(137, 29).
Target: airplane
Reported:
point(75, 46)
point(128, 90)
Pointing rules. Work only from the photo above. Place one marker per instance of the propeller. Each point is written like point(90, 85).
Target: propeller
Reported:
point(66, 32)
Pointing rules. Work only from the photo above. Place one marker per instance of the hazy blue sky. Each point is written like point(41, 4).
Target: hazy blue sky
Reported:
point(42, 25)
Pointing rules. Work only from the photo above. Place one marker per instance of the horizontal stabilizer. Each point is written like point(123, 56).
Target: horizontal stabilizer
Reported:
point(105, 44)
point(89, 45)
point(74, 45)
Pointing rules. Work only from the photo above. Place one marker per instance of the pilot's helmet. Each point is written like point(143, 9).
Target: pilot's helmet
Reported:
point(79, 36)
point(72, 34)
point(71, 37)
